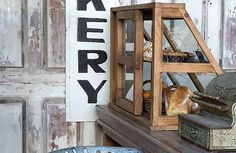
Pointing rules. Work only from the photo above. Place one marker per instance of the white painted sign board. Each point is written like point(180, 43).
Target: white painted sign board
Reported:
point(87, 57)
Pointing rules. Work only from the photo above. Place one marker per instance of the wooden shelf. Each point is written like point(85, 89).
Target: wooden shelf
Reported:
point(188, 67)
point(185, 67)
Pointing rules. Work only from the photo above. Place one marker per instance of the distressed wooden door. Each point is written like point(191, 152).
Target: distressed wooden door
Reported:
point(32, 79)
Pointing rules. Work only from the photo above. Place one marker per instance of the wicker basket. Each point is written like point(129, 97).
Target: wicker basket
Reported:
point(147, 98)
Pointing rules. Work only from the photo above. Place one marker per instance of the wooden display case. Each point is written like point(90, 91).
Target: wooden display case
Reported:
point(161, 16)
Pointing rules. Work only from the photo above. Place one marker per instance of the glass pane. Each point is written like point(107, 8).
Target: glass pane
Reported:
point(129, 51)
point(147, 66)
point(183, 79)
point(129, 35)
point(148, 30)
point(205, 78)
point(147, 90)
point(129, 80)
point(179, 44)
point(147, 71)
point(175, 93)
point(147, 48)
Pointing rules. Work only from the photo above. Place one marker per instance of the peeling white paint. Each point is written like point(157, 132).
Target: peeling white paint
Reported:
point(10, 33)
point(11, 131)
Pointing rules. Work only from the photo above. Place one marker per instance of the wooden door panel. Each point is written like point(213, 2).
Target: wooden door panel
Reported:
point(11, 127)
point(55, 33)
point(59, 133)
point(229, 41)
point(10, 33)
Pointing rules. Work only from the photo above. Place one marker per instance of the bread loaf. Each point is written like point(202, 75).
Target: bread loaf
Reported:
point(177, 100)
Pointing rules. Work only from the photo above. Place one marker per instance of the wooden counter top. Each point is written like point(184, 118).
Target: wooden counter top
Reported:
point(130, 134)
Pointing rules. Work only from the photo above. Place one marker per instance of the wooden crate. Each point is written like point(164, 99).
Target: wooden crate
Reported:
point(155, 12)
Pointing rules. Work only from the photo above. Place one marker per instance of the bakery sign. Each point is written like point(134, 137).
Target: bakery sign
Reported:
point(87, 57)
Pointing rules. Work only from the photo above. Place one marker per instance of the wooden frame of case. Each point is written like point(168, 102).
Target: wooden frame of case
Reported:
point(133, 61)
point(156, 12)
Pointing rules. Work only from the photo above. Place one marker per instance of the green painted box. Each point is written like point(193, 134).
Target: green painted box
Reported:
point(214, 127)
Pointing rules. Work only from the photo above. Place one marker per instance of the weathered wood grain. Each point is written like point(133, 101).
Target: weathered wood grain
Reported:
point(35, 35)
point(10, 33)
point(213, 30)
point(56, 33)
point(128, 133)
point(229, 41)
point(24, 44)
point(34, 91)
point(12, 126)
point(60, 134)
point(156, 67)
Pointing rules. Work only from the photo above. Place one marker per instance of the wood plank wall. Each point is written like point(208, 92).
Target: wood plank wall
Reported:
point(32, 70)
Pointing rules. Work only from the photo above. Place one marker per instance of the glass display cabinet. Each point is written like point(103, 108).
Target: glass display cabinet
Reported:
point(156, 43)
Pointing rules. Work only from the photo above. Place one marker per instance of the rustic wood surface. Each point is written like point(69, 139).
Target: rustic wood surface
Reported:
point(149, 6)
point(188, 67)
point(138, 53)
point(135, 60)
point(125, 60)
point(119, 48)
point(125, 15)
point(11, 33)
point(32, 79)
point(113, 59)
point(55, 34)
point(126, 132)
point(12, 130)
point(156, 66)
point(229, 41)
